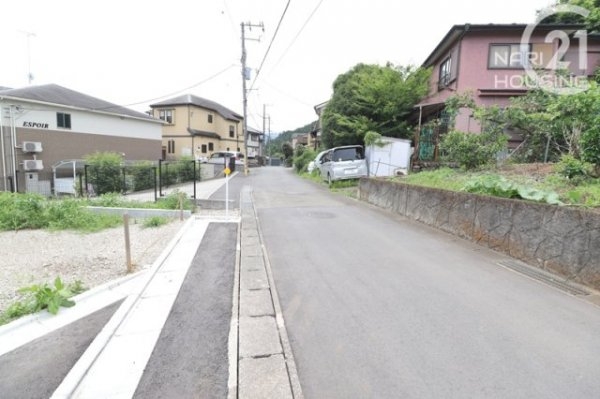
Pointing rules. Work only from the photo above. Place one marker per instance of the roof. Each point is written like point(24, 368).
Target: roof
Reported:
point(254, 130)
point(458, 31)
point(58, 95)
point(202, 133)
point(190, 99)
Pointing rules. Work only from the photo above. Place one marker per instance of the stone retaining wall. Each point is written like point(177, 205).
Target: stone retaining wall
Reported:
point(563, 240)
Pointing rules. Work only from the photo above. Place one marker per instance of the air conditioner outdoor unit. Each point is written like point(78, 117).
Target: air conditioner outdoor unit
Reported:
point(32, 146)
point(33, 164)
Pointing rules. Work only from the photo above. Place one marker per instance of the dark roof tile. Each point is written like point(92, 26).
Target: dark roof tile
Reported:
point(190, 99)
point(55, 94)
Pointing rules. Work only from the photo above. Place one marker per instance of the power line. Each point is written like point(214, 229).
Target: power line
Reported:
point(298, 34)
point(271, 43)
point(175, 92)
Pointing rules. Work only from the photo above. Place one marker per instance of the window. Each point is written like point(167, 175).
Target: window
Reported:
point(211, 147)
point(445, 73)
point(210, 118)
point(171, 147)
point(203, 148)
point(63, 120)
point(507, 56)
point(166, 115)
point(231, 131)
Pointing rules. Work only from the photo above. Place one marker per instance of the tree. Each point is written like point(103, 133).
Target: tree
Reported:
point(553, 125)
point(592, 21)
point(288, 153)
point(372, 98)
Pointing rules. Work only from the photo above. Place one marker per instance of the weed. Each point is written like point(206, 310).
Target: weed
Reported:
point(498, 186)
point(155, 221)
point(174, 201)
point(44, 296)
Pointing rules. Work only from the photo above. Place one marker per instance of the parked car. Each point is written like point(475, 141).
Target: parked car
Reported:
point(315, 163)
point(223, 157)
point(341, 163)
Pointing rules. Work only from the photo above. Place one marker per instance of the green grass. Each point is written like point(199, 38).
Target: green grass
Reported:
point(551, 188)
point(32, 211)
point(155, 221)
point(444, 178)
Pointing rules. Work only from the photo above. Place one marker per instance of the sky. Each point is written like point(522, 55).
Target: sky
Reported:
point(136, 53)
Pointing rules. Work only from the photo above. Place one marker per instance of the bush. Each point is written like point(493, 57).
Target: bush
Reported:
point(302, 160)
point(472, 150)
point(590, 147)
point(104, 172)
point(143, 175)
point(21, 211)
point(571, 167)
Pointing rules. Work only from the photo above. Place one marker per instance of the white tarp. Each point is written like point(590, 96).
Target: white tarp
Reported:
point(391, 159)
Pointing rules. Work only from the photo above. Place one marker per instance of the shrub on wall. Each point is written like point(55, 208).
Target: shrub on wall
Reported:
point(104, 172)
point(472, 150)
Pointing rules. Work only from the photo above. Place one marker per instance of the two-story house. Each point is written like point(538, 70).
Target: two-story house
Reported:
point(255, 143)
point(197, 127)
point(494, 63)
point(42, 127)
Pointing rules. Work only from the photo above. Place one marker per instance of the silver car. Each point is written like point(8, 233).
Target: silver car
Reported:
point(341, 163)
point(316, 163)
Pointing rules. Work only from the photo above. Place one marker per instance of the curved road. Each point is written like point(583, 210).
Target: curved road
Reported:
point(379, 307)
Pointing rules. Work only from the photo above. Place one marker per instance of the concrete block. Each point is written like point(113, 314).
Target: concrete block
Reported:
point(264, 378)
point(258, 336)
point(253, 279)
point(256, 303)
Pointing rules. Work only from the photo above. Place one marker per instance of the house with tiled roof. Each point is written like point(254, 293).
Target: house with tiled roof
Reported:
point(42, 126)
point(197, 127)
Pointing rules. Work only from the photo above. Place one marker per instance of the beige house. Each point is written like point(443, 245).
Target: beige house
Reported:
point(197, 127)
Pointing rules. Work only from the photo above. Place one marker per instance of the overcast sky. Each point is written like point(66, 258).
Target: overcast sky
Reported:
point(134, 53)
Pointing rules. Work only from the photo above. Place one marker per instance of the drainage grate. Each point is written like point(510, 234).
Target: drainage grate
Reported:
point(545, 277)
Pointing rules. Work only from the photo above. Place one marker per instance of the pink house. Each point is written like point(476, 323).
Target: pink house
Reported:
point(497, 62)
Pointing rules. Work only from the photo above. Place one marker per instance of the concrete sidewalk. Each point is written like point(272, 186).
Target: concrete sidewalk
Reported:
point(204, 189)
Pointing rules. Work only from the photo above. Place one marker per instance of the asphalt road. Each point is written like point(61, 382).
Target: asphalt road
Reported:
point(381, 307)
point(36, 369)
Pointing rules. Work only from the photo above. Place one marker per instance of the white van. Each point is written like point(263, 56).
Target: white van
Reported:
point(341, 163)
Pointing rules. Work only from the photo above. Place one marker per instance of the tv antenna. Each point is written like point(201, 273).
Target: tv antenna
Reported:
point(29, 36)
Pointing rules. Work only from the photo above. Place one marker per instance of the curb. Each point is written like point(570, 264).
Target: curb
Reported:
point(265, 364)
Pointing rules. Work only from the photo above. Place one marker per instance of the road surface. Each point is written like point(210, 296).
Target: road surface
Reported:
point(378, 306)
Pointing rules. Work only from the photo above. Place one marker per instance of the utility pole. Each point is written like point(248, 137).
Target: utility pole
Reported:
point(269, 145)
point(246, 76)
point(264, 129)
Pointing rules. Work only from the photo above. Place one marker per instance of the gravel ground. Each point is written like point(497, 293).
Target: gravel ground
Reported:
point(37, 256)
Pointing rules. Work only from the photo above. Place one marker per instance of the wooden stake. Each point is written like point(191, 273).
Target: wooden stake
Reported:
point(127, 243)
